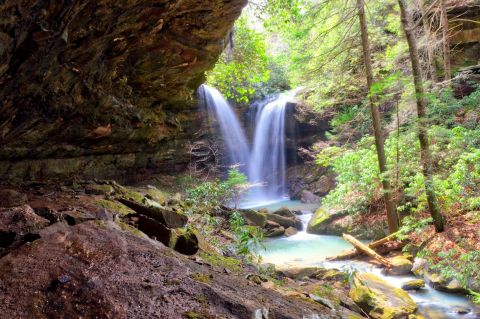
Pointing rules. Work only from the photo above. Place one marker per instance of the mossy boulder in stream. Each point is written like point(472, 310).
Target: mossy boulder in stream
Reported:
point(253, 217)
point(337, 222)
point(380, 299)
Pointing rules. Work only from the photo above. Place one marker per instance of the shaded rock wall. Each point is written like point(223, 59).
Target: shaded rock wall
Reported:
point(103, 88)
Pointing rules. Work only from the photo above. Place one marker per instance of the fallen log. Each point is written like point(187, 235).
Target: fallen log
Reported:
point(367, 250)
point(352, 253)
point(167, 217)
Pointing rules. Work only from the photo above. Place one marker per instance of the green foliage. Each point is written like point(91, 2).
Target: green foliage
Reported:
point(411, 225)
point(240, 70)
point(209, 195)
point(475, 296)
point(453, 264)
point(456, 155)
point(248, 237)
point(324, 45)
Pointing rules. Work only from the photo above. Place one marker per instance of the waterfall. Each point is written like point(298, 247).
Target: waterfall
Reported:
point(234, 140)
point(267, 164)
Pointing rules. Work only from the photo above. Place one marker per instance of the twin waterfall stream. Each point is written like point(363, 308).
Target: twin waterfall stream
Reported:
point(264, 162)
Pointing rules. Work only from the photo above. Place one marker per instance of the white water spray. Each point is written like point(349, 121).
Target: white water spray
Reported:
point(235, 142)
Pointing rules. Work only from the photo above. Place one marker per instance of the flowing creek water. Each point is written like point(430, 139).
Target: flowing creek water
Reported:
point(305, 249)
point(264, 163)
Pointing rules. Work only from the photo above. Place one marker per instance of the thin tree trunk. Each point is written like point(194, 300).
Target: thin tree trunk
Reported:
point(422, 125)
point(446, 41)
point(392, 216)
point(429, 46)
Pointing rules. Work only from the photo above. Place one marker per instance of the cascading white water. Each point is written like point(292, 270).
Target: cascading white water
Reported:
point(235, 142)
point(267, 164)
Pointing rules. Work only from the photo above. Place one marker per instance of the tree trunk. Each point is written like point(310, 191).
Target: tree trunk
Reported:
point(421, 122)
point(446, 41)
point(429, 46)
point(392, 216)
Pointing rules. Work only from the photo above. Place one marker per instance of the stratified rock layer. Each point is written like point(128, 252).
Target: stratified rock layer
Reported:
point(103, 88)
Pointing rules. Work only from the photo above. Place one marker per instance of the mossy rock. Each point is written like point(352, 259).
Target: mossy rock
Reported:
point(338, 222)
point(414, 284)
point(321, 222)
point(380, 299)
point(114, 206)
point(156, 195)
point(217, 260)
point(96, 189)
point(285, 212)
point(400, 266)
point(290, 231)
point(253, 218)
point(300, 272)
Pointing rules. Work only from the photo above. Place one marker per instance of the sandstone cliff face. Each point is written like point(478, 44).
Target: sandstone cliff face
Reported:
point(102, 88)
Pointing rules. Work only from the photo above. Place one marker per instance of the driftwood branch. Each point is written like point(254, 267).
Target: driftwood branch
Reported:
point(349, 254)
point(367, 250)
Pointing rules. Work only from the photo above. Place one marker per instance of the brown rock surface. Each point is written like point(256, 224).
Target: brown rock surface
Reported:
point(103, 88)
point(96, 270)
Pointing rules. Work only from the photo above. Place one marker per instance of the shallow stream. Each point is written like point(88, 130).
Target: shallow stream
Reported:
point(305, 249)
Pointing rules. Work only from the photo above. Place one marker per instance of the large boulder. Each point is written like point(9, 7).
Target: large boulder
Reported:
point(309, 198)
point(101, 270)
point(337, 222)
point(413, 284)
point(286, 222)
point(253, 218)
point(400, 266)
point(380, 299)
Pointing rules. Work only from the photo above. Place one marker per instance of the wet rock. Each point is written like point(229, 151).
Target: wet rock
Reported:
point(435, 280)
point(285, 212)
point(453, 286)
point(253, 218)
point(290, 231)
point(331, 222)
point(275, 232)
point(419, 266)
point(96, 189)
point(414, 284)
point(285, 221)
point(12, 198)
point(309, 198)
point(400, 266)
point(379, 299)
point(331, 275)
point(461, 310)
